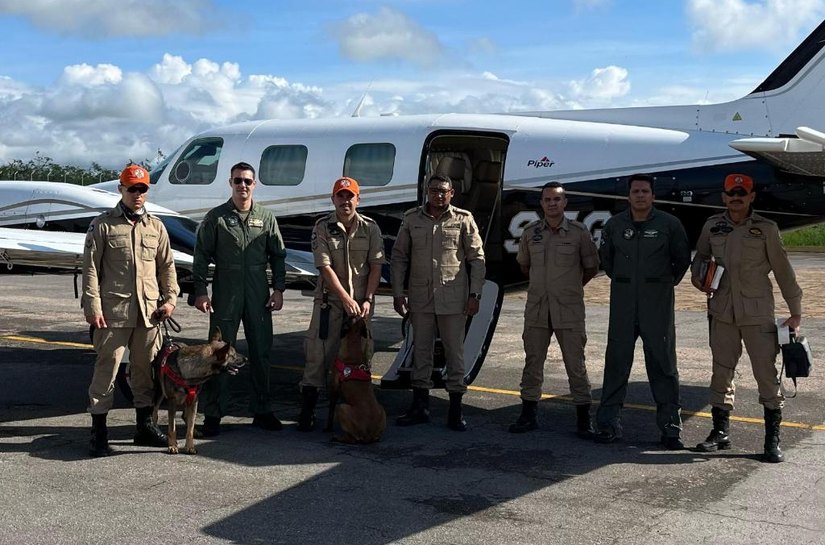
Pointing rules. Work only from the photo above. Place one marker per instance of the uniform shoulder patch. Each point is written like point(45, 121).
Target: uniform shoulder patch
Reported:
point(532, 225)
point(462, 211)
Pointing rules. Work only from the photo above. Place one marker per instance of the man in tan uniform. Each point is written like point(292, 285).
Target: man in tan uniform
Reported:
point(127, 267)
point(741, 309)
point(436, 244)
point(559, 257)
point(349, 252)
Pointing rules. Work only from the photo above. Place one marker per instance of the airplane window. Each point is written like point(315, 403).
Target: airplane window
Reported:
point(370, 164)
point(182, 232)
point(198, 164)
point(283, 165)
point(157, 170)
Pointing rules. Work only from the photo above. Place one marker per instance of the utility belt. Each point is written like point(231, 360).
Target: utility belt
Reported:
point(648, 280)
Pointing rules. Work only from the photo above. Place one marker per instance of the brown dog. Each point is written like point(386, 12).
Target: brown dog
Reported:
point(361, 417)
point(181, 370)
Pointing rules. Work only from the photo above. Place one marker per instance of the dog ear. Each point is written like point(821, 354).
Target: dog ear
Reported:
point(222, 353)
point(216, 334)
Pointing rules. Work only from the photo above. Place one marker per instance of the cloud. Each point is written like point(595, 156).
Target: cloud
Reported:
point(591, 4)
point(738, 24)
point(603, 84)
point(387, 35)
point(103, 114)
point(98, 19)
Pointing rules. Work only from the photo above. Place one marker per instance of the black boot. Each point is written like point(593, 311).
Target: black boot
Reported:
point(99, 443)
point(773, 418)
point(455, 420)
point(148, 433)
point(306, 420)
point(584, 426)
point(527, 419)
point(718, 438)
point(211, 426)
point(419, 411)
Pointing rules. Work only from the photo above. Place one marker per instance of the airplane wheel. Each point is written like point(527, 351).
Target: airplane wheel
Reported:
point(121, 380)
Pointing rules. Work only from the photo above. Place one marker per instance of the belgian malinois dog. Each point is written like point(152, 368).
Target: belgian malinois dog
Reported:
point(361, 417)
point(180, 371)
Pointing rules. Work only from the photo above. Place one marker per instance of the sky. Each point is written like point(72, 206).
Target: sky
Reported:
point(113, 81)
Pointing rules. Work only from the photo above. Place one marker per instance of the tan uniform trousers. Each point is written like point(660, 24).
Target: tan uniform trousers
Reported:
point(572, 342)
point(451, 329)
point(110, 344)
point(726, 345)
point(319, 354)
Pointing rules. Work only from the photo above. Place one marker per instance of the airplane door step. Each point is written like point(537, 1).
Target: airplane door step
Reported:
point(479, 334)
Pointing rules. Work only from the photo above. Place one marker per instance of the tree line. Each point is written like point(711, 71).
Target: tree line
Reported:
point(42, 167)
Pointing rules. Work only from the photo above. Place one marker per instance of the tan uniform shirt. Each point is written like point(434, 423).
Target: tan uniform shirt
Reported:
point(437, 252)
point(126, 268)
point(748, 251)
point(556, 260)
point(348, 254)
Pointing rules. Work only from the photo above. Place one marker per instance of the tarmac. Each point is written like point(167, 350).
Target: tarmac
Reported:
point(420, 485)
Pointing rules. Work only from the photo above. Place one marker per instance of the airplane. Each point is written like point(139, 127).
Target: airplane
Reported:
point(499, 162)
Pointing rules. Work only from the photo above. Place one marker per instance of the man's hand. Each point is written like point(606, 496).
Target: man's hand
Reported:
point(351, 306)
point(203, 304)
point(794, 322)
point(276, 301)
point(400, 305)
point(96, 321)
point(366, 308)
point(471, 308)
point(163, 312)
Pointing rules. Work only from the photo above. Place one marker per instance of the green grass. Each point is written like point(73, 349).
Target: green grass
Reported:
point(809, 236)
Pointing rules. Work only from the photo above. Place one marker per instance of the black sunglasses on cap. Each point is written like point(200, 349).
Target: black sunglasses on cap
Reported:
point(245, 181)
point(140, 188)
point(736, 192)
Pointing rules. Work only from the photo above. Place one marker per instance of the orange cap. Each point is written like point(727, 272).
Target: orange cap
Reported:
point(348, 184)
point(738, 180)
point(134, 175)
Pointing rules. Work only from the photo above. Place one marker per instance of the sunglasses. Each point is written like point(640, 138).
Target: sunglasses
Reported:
point(736, 192)
point(245, 181)
point(138, 189)
point(439, 192)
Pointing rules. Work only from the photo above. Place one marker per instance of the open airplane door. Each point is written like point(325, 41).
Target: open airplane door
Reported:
point(475, 164)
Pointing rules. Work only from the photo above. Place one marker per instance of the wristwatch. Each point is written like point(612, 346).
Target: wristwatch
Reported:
point(476, 296)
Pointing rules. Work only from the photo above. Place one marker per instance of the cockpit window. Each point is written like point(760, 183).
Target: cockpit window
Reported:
point(157, 170)
point(198, 164)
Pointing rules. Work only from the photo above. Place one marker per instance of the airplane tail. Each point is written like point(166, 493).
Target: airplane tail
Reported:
point(791, 96)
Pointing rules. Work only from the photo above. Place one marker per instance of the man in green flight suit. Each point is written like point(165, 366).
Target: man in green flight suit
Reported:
point(240, 237)
point(645, 252)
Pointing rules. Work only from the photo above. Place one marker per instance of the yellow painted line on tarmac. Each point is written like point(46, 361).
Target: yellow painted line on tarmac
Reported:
point(483, 389)
point(36, 340)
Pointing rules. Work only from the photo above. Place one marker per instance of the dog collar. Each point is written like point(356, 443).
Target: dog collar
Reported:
point(351, 372)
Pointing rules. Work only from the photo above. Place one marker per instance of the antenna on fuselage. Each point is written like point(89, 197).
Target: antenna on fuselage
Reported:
point(357, 111)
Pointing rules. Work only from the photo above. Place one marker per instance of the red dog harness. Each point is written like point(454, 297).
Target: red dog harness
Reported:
point(165, 369)
point(350, 372)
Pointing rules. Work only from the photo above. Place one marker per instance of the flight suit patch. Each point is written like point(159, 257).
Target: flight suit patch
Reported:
point(232, 221)
point(650, 233)
point(256, 222)
point(628, 233)
point(756, 231)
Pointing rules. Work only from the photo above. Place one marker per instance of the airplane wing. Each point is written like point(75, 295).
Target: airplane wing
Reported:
point(63, 250)
point(53, 249)
point(804, 155)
